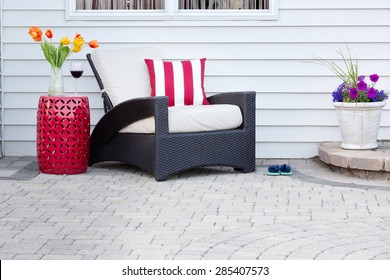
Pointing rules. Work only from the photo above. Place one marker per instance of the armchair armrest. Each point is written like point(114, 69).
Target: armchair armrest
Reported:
point(129, 112)
point(106, 102)
point(245, 100)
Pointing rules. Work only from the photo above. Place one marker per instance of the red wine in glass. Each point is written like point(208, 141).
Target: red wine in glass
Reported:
point(76, 70)
point(76, 73)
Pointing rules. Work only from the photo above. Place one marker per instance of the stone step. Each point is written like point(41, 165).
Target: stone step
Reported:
point(366, 160)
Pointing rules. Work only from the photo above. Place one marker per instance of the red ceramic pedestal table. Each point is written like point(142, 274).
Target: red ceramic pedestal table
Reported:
point(63, 130)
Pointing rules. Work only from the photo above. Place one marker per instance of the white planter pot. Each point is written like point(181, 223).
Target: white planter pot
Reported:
point(359, 124)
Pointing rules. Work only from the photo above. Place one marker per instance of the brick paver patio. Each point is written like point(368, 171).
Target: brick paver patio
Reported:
point(118, 212)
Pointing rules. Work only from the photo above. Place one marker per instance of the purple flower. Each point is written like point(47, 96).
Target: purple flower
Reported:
point(371, 93)
point(374, 78)
point(361, 78)
point(361, 85)
point(381, 95)
point(338, 93)
point(353, 93)
point(337, 96)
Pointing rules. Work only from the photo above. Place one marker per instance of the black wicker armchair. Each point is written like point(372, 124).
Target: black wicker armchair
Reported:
point(163, 153)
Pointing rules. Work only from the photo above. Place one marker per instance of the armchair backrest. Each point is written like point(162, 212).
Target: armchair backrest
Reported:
point(123, 72)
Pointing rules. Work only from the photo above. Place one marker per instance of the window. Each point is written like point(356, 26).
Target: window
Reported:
point(172, 9)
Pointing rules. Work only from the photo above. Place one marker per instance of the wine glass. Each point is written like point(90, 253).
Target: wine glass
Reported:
point(76, 69)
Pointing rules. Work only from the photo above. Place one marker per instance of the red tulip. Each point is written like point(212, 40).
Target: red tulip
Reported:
point(93, 44)
point(49, 34)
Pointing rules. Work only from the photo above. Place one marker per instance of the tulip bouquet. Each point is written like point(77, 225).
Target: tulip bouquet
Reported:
point(56, 55)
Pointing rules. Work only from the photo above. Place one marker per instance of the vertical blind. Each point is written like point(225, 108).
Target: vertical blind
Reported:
point(223, 4)
point(120, 4)
point(183, 4)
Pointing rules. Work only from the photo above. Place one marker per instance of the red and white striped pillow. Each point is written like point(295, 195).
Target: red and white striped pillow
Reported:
point(181, 81)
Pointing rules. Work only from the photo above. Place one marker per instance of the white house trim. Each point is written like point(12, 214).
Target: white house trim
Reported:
point(1, 83)
point(172, 12)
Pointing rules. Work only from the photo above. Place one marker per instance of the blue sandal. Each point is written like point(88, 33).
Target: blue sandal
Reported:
point(273, 170)
point(285, 170)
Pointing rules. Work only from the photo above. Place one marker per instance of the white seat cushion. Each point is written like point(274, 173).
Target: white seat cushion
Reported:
point(195, 118)
point(123, 72)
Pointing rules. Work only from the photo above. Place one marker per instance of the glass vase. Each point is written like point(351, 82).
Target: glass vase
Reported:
point(56, 82)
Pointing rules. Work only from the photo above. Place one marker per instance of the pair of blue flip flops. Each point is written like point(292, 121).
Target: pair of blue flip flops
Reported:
point(275, 170)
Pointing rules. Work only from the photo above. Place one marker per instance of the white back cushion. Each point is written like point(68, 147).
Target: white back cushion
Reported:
point(123, 72)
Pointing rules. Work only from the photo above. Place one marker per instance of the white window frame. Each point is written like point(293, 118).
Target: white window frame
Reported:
point(172, 12)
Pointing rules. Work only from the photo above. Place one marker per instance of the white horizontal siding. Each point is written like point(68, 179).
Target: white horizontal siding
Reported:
point(294, 110)
point(219, 34)
point(306, 13)
point(222, 67)
point(232, 50)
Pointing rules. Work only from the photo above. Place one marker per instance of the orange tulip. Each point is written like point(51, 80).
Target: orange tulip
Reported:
point(49, 34)
point(78, 41)
point(93, 44)
point(35, 33)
